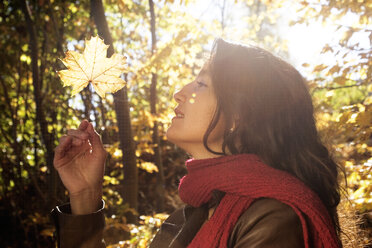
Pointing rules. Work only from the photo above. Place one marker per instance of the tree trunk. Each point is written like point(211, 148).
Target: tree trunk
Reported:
point(130, 189)
point(40, 117)
point(223, 16)
point(86, 96)
point(155, 134)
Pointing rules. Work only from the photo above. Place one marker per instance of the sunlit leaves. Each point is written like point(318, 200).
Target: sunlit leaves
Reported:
point(140, 235)
point(342, 94)
point(341, 91)
point(110, 180)
point(359, 179)
point(148, 166)
point(319, 68)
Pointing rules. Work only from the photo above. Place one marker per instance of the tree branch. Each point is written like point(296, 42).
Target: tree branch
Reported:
point(337, 88)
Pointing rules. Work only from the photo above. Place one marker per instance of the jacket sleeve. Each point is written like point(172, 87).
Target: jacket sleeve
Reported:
point(78, 231)
point(267, 223)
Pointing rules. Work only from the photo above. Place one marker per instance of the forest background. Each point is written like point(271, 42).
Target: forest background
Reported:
point(166, 42)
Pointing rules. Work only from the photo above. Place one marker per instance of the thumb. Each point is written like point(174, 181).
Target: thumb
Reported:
point(83, 125)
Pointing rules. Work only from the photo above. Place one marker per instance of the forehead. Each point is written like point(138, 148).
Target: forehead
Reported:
point(205, 70)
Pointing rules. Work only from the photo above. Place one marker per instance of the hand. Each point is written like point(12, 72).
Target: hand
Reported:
point(80, 161)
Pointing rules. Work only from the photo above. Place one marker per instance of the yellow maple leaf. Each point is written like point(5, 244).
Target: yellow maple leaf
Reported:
point(94, 67)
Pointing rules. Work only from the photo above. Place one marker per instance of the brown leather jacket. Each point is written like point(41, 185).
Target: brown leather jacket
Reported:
point(266, 223)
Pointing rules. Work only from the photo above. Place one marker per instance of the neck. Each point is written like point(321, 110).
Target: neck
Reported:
point(204, 155)
point(200, 152)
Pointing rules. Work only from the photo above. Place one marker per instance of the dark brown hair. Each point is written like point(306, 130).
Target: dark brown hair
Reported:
point(268, 111)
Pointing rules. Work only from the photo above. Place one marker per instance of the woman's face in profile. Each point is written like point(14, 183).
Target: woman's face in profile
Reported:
point(196, 106)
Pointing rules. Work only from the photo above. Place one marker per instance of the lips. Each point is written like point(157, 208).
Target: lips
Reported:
point(179, 113)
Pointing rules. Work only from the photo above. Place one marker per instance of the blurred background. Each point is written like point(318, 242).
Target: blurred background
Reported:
point(166, 42)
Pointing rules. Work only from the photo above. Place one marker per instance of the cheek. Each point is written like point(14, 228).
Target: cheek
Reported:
point(198, 116)
point(201, 116)
point(202, 120)
point(217, 133)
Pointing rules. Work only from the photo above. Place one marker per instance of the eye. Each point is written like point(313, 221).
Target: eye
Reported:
point(201, 84)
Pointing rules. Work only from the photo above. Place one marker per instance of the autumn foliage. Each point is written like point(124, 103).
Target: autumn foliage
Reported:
point(36, 110)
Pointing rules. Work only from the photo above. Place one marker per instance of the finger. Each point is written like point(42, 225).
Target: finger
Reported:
point(63, 139)
point(64, 144)
point(77, 142)
point(78, 134)
point(83, 125)
point(94, 137)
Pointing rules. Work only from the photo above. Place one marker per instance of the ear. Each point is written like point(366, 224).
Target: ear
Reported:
point(235, 123)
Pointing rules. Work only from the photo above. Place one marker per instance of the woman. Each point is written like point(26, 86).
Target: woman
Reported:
point(259, 177)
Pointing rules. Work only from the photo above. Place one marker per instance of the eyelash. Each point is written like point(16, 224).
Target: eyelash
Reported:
point(201, 84)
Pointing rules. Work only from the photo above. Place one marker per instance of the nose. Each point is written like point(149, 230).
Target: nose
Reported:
point(180, 96)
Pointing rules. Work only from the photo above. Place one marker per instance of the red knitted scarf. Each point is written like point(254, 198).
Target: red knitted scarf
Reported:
point(244, 178)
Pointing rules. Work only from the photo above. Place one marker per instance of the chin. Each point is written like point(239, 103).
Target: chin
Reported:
point(176, 138)
point(170, 135)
